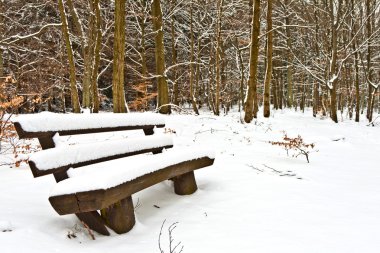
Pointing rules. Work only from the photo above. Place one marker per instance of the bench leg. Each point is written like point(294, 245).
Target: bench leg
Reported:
point(185, 184)
point(120, 216)
point(94, 221)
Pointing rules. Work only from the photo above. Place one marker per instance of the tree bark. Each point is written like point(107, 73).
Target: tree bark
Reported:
point(289, 58)
point(70, 55)
point(142, 94)
point(369, 59)
point(162, 85)
point(268, 74)
point(334, 56)
point(119, 105)
point(89, 57)
point(218, 56)
point(174, 57)
point(251, 97)
point(98, 44)
point(192, 98)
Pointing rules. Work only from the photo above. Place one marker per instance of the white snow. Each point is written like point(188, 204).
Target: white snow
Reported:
point(70, 154)
point(46, 121)
point(5, 226)
point(254, 198)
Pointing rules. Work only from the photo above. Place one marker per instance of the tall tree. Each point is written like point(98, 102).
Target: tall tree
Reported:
point(268, 74)
point(289, 57)
point(162, 85)
point(1, 36)
point(174, 54)
point(369, 29)
point(98, 44)
point(335, 12)
point(70, 55)
point(218, 55)
point(251, 97)
point(119, 104)
point(192, 97)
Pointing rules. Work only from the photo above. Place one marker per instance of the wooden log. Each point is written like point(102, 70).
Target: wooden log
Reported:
point(102, 198)
point(94, 221)
point(91, 219)
point(185, 184)
point(120, 217)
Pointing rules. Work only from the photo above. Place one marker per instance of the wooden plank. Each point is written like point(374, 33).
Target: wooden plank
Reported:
point(37, 172)
point(99, 199)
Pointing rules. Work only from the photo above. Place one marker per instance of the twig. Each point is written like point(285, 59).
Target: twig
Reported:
point(176, 108)
point(253, 167)
point(277, 171)
point(159, 237)
point(89, 231)
point(372, 123)
point(138, 204)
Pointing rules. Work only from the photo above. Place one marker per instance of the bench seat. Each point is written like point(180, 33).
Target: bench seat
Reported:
point(63, 157)
point(117, 179)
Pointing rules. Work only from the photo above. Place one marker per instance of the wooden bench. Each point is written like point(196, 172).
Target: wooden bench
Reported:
point(91, 177)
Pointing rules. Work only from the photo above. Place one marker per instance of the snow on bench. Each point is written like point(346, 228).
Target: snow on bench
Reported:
point(45, 125)
point(63, 157)
point(130, 170)
point(97, 176)
point(65, 124)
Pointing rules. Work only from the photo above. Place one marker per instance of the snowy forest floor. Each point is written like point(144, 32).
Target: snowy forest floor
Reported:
point(255, 198)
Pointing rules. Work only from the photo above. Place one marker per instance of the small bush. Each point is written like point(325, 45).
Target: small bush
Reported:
point(297, 144)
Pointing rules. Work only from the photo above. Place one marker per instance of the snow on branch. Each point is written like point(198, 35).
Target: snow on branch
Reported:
point(17, 38)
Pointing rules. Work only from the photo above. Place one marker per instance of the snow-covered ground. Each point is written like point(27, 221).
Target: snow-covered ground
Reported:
point(254, 199)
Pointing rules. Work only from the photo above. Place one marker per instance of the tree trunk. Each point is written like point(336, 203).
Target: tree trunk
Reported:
point(218, 56)
point(275, 91)
point(316, 97)
point(251, 97)
point(70, 55)
point(1, 63)
point(192, 98)
point(242, 77)
point(289, 58)
point(369, 56)
point(174, 57)
point(119, 105)
point(1, 37)
point(268, 74)
point(162, 85)
point(89, 57)
point(334, 54)
point(98, 44)
point(142, 95)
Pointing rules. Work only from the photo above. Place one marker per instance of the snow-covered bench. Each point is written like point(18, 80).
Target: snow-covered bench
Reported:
point(104, 182)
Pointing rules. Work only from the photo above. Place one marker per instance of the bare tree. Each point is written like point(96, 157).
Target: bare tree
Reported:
point(251, 104)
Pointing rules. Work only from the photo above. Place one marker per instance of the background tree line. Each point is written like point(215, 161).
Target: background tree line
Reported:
point(139, 55)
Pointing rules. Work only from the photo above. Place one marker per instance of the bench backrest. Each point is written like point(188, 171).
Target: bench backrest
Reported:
point(45, 125)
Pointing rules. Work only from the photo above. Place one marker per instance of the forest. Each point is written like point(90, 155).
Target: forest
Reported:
point(144, 55)
point(178, 126)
